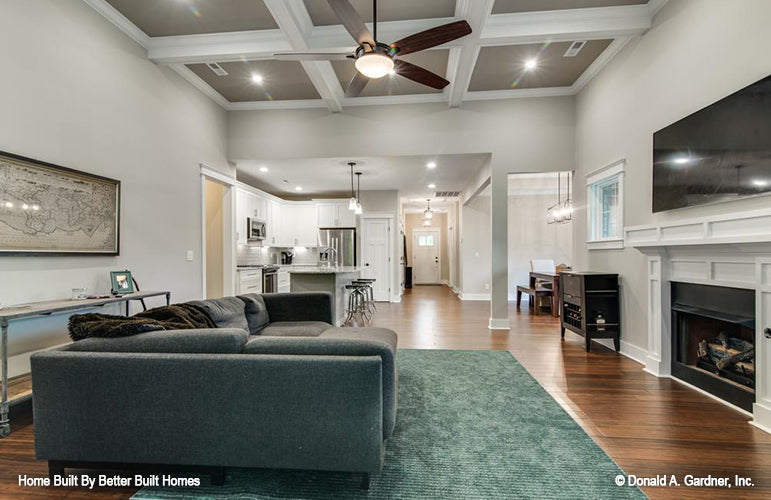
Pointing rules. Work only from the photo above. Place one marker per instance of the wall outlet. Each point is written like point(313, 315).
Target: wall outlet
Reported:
point(487, 286)
point(189, 256)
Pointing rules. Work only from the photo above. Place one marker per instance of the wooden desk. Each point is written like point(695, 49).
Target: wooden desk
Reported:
point(554, 279)
point(42, 309)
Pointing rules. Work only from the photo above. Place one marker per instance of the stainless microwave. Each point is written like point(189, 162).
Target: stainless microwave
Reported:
point(255, 229)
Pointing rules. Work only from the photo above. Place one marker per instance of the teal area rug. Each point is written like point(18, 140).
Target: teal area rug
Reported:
point(470, 425)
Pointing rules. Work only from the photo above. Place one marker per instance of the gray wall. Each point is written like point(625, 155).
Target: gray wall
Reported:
point(697, 52)
point(76, 91)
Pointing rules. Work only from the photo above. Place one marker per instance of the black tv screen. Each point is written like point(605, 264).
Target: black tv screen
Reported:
point(719, 153)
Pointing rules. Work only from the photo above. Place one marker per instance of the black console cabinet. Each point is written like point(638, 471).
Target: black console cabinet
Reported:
point(590, 306)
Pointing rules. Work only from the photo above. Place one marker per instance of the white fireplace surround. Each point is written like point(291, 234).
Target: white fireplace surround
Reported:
point(732, 250)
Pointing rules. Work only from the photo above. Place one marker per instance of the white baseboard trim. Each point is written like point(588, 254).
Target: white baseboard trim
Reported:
point(474, 296)
point(456, 290)
point(499, 324)
point(631, 351)
point(396, 299)
point(445, 283)
point(761, 417)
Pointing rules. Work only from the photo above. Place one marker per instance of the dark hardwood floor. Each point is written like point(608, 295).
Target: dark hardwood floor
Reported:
point(649, 426)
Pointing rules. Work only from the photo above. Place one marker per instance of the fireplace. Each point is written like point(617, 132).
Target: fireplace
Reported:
point(713, 340)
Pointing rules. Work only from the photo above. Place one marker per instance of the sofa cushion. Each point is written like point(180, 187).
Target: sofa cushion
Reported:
point(227, 312)
point(210, 341)
point(296, 329)
point(256, 312)
point(344, 342)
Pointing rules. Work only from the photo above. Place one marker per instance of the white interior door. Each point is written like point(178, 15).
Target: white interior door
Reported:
point(426, 267)
point(376, 256)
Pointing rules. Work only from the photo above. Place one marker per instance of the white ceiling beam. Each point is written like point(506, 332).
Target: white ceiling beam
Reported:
point(337, 38)
point(490, 95)
point(217, 47)
point(564, 25)
point(294, 21)
point(475, 13)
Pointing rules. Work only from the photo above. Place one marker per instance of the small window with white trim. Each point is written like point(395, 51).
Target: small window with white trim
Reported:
point(605, 195)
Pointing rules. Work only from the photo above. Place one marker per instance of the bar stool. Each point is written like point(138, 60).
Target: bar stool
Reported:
point(370, 292)
point(357, 303)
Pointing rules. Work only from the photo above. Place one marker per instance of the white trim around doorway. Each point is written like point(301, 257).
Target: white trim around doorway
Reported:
point(394, 295)
point(229, 238)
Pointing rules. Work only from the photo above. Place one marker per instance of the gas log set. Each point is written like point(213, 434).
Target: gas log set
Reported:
point(729, 357)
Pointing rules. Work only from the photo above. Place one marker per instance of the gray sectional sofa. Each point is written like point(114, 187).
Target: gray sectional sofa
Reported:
point(274, 386)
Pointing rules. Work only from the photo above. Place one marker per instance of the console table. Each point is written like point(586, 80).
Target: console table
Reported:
point(42, 309)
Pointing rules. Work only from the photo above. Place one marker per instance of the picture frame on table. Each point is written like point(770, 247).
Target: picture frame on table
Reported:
point(122, 282)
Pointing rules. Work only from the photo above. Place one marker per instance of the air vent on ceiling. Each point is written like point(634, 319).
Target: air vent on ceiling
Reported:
point(446, 194)
point(574, 49)
point(218, 70)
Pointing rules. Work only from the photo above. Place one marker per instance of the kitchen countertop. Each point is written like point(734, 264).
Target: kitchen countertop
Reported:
point(324, 270)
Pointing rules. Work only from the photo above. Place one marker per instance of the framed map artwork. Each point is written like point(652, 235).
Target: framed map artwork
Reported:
point(46, 209)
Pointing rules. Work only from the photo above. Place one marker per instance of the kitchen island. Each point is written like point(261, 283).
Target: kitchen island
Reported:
point(325, 279)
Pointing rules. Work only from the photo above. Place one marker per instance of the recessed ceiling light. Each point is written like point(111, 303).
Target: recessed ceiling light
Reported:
point(256, 78)
point(531, 63)
point(263, 169)
point(298, 188)
point(431, 186)
point(431, 164)
point(682, 160)
point(760, 182)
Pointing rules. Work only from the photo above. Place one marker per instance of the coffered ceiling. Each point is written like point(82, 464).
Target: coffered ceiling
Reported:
point(242, 36)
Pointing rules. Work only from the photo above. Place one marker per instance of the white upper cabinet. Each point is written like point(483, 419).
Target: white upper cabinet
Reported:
point(242, 212)
point(307, 230)
point(335, 213)
point(326, 214)
point(274, 223)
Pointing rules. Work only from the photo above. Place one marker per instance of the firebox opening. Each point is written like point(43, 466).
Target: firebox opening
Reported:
point(713, 341)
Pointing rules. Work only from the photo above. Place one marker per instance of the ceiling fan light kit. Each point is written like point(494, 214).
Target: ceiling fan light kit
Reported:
point(374, 59)
point(374, 65)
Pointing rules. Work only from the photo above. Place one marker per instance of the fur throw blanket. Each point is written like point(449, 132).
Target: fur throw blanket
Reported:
point(176, 317)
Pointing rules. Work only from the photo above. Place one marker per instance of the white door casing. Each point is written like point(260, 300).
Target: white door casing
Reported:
point(376, 250)
point(426, 261)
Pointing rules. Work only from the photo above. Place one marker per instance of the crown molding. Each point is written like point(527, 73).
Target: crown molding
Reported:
point(111, 14)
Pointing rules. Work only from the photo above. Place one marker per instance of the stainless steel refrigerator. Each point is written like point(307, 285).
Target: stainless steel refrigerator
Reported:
point(343, 241)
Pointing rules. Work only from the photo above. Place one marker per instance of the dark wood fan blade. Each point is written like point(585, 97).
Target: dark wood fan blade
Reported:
point(420, 75)
point(311, 56)
point(431, 38)
point(352, 21)
point(358, 82)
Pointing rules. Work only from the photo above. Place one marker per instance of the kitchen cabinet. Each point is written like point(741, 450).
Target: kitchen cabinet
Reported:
point(274, 223)
point(335, 213)
point(283, 281)
point(249, 281)
point(241, 216)
point(307, 230)
point(250, 205)
point(298, 225)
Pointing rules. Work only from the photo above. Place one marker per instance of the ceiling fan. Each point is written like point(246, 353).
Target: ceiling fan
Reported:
point(374, 59)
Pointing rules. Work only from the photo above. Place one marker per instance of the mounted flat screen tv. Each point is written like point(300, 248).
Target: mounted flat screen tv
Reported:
point(719, 153)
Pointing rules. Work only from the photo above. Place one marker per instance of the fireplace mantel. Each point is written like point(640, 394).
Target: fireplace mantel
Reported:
point(732, 250)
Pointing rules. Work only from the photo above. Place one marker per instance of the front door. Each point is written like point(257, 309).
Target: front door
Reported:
point(376, 255)
point(426, 268)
